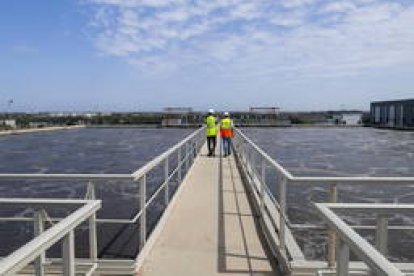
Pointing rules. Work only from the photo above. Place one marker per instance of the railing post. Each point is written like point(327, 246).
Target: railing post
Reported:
point(93, 240)
point(187, 156)
point(282, 213)
point(245, 154)
point(248, 164)
point(342, 259)
point(90, 191)
point(179, 172)
point(167, 186)
point(262, 186)
point(68, 254)
point(333, 198)
point(143, 217)
point(39, 227)
point(381, 241)
point(252, 164)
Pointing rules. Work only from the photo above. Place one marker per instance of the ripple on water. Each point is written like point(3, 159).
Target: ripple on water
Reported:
point(82, 151)
point(341, 152)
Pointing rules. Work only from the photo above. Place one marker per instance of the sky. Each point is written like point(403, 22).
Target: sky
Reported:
point(142, 55)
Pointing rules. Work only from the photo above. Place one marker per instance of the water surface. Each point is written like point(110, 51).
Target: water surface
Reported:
point(112, 150)
point(342, 152)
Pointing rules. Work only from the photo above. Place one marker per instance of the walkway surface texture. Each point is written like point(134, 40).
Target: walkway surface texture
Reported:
point(212, 228)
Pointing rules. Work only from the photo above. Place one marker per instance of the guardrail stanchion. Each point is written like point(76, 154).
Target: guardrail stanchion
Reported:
point(179, 165)
point(252, 162)
point(68, 254)
point(167, 175)
point(282, 212)
point(248, 164)
point(187, 157)
point(343, 259)
point(381, 240)
point(90, 191)
point(93, 240)
point(143, 217)
point(39, 227)
point(262, 186)
point(244, 153)
point(333, 198)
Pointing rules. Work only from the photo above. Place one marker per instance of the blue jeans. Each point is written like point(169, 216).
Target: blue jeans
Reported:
point(226, 146)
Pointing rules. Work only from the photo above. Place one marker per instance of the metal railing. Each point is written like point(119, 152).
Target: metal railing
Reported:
point(182, 155)
point(44, 239)
point(349, 239)
point(255, 165)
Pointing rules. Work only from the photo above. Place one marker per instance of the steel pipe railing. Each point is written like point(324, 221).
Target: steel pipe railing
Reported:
point(350, 240)
point(36, 248)
point(251, 156)
point(185, 152)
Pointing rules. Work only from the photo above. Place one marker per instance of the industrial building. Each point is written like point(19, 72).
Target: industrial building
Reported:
point(260, 116)
point(393, 114)
point(255, 116)
point(347, 118)
point(178, 116)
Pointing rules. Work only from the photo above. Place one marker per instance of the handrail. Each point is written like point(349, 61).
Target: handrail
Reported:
point(157, 160)
point(20, 258)
point(363, 249)
point(273, 162)
point(136, 174)
point(352, 180)
point(183, 152)
point(323, 179)
point(39, 176)
point(255, 162)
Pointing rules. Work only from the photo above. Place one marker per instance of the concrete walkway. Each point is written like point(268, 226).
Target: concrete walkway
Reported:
point(211, 230)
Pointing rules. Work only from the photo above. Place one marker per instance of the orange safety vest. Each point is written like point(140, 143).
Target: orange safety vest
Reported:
point(226, 128)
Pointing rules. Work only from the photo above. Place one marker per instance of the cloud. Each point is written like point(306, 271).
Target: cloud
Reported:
point(263, 38)
point(339, 7)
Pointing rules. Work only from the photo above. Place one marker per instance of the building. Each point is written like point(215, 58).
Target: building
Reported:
point(257, 116)
point(393, 114)
point(8, 123)
point(176, 116)
point(347, 118)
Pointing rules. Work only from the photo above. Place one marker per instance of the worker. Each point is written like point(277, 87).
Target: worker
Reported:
point(211, 131)
point(226, 133)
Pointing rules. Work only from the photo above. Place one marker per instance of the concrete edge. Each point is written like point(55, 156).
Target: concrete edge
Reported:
point(139, 261)
point(271, 244)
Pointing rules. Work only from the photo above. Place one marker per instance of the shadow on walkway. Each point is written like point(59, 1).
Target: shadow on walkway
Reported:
point(241, 247)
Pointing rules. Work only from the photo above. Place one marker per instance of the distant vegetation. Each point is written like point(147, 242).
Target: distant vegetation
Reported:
point(26, 120)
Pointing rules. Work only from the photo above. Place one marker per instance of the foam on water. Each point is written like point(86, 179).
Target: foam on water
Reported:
point(342, 152)
point(83, 151)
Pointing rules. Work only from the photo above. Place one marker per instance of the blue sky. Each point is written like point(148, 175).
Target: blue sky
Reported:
point(129, 55)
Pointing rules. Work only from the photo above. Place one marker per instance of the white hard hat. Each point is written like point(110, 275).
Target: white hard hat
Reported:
point(211, 111)
point(226, 114)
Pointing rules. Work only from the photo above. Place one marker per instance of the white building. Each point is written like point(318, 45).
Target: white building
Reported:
point(349, 119)
point(352, 119)
point(11, 123)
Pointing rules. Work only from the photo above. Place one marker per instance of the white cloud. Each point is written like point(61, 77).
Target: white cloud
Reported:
point(241, 37)
point(339, 6)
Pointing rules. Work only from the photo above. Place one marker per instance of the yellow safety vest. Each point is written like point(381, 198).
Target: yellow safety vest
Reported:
point(226, 123)
point(211, 123)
